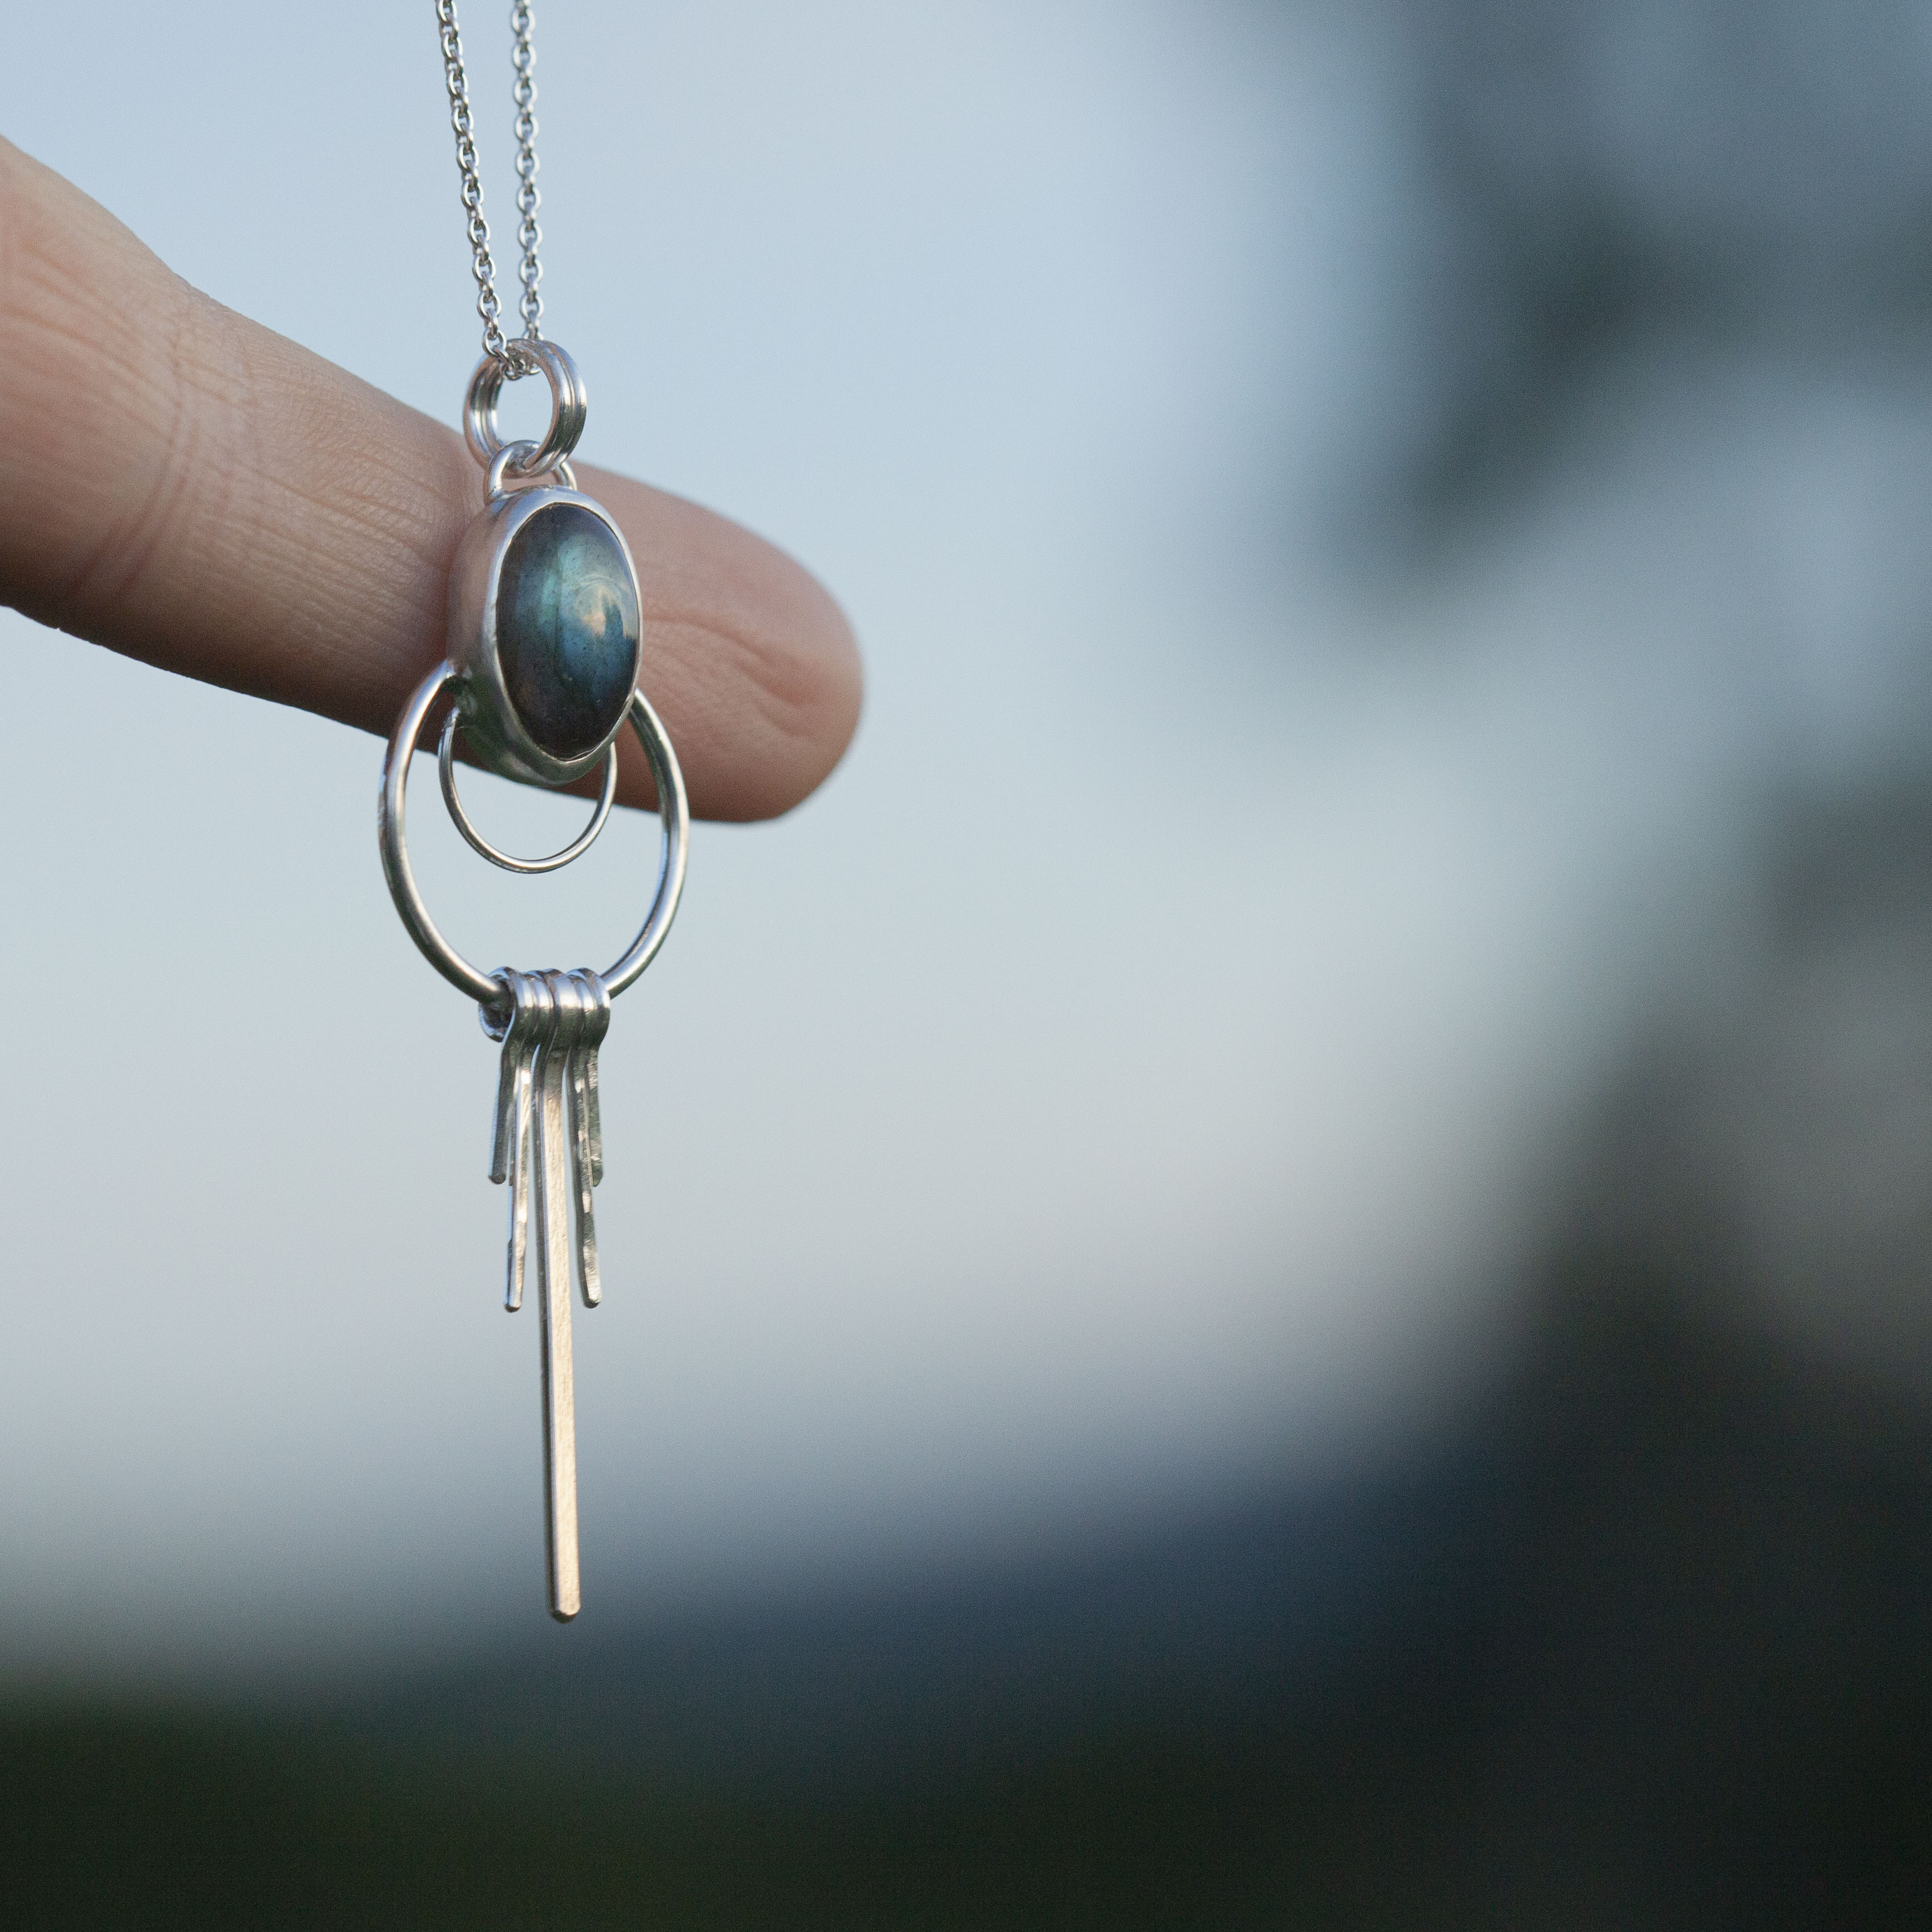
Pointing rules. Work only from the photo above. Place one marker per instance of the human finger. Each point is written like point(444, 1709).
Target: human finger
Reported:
point(186, 487)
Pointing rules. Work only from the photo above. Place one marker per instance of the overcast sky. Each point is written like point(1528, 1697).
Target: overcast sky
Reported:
point(1139, 1062)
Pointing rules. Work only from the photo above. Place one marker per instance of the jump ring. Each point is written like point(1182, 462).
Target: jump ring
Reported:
point(567, 403)
point(513, 459)
point(446, 764)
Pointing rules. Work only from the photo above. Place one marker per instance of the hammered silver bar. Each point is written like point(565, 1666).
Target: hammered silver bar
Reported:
point(595, 1028)
point(554, 1163)
point(515, 1036)
point(532, 1015)
point(587, 1130)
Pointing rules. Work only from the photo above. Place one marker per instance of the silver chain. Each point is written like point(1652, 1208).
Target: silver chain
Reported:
point(528, 235)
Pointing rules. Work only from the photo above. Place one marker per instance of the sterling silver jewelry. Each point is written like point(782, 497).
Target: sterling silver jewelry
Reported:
point(543, 637)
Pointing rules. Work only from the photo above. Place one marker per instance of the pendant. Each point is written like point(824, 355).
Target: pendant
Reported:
point(543, 598)
point(544, 639)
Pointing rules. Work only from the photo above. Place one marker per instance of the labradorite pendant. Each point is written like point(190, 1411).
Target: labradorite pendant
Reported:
point(541, 643)
point(567, 629)
point(543, 629)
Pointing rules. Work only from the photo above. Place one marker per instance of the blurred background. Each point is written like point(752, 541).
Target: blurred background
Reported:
point(1273, 1267)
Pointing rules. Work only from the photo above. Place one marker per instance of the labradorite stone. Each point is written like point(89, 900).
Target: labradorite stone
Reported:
point(567, 629)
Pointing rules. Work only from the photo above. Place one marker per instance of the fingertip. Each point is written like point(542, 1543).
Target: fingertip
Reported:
point(747, 656)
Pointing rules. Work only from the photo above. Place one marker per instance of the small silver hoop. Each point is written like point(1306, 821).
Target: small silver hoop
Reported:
point(445, 765)
point(485, 988)
point(512, 460)
point(567, 403)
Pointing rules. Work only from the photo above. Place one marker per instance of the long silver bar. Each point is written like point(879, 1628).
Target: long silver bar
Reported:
point(554, 1163)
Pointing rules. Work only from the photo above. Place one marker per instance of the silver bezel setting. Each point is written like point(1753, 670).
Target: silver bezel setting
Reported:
point(496, 735)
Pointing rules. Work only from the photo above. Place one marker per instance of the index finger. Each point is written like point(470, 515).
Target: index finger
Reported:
point(234, 508)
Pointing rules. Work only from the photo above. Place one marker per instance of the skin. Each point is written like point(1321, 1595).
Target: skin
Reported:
point(188, 488)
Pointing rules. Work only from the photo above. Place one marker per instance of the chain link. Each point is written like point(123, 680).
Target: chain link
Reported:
point(528, 235)
point(524, 58)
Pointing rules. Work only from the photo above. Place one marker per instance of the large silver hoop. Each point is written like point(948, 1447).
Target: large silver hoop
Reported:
point(487, 989)
point(567, 403)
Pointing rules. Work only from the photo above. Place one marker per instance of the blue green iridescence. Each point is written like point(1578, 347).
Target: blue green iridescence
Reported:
point(567, 629)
